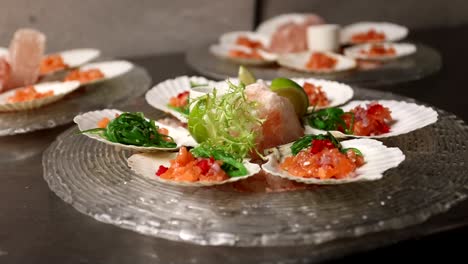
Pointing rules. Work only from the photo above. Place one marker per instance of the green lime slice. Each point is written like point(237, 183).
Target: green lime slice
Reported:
point(195, 123)
point(245, 76)
point(294, 92)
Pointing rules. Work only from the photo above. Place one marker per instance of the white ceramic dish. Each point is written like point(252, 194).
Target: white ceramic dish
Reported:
point(378, 159)
point(147, 164)
point(89, 120)
point(60, 90)
point(407, 117)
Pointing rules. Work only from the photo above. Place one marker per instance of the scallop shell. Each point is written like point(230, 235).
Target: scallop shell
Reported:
point(146, 165)
point(378, 158)
point(270, 26)
point(401, 49)
point(160, 94)
point(76, 57)
point(393, 32)
point(230, 38)
point(337, 93)
point(3, 52)
point(222, 51)
point(298, 61)
point(60, 90)
point(407, 118)
point(110, 69)
point(89, 120)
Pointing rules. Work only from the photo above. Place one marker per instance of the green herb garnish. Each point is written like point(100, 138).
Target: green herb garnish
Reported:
point(330, 119)
point(183, 110)
point(134, 129)
point(194, 84)
point(232, 165)
point(227, 122)
point(306, 141)
point(355, 150)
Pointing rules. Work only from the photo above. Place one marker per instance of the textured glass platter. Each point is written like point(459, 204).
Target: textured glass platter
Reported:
point(423, 63)
point(95, 179)
point(87, 98)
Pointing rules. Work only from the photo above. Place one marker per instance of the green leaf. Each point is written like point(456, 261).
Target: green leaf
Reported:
point(306, 141)
point(330, 119)
point(233, 166)
point(355, 150)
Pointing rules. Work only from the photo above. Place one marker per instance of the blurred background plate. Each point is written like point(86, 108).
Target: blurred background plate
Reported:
point(87, 98)
point(95, 180)
point(424, 62)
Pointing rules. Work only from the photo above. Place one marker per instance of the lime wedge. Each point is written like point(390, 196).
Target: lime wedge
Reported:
point(195, 123)
point(294, 92)
point(245, 76)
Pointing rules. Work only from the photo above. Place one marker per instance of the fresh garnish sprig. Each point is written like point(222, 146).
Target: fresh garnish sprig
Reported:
point(227, 122)
point(134, 129)
point(331, 119)
point(232, 165)
point(183, 110)
point(307, 141)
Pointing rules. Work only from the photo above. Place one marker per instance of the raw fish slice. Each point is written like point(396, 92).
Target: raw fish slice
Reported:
point(281, 123)
point(26, 52)
point(4, 73)
point(292, 36)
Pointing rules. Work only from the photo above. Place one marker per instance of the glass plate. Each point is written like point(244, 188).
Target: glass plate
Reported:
point(423, 63)
point(87, 98)
point(94, 179)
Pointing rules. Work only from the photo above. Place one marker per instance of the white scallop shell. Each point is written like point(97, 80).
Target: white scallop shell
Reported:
point(3, 52)
point(110, 69)
point(270, 26)
point(77, 57)
point(60, 90)
point(146, 165)
point(230, 38)
point(407, 117)
point(89, 120)
point(222, 87)
point(298, 61)
point(337, 93)
point(393, 32)
point(378, 158)
point(160, 94)
point(401, 50)
point(222, 51)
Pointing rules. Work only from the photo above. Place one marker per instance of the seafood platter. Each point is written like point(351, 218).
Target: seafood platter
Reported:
point(292, 45)
point(40, 90)
point(252, 162)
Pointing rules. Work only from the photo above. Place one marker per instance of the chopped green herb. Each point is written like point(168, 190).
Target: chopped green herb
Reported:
point(330, 119)
point(182, 110)
point(306, 141)
point(355, 150)
point(232, 165)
